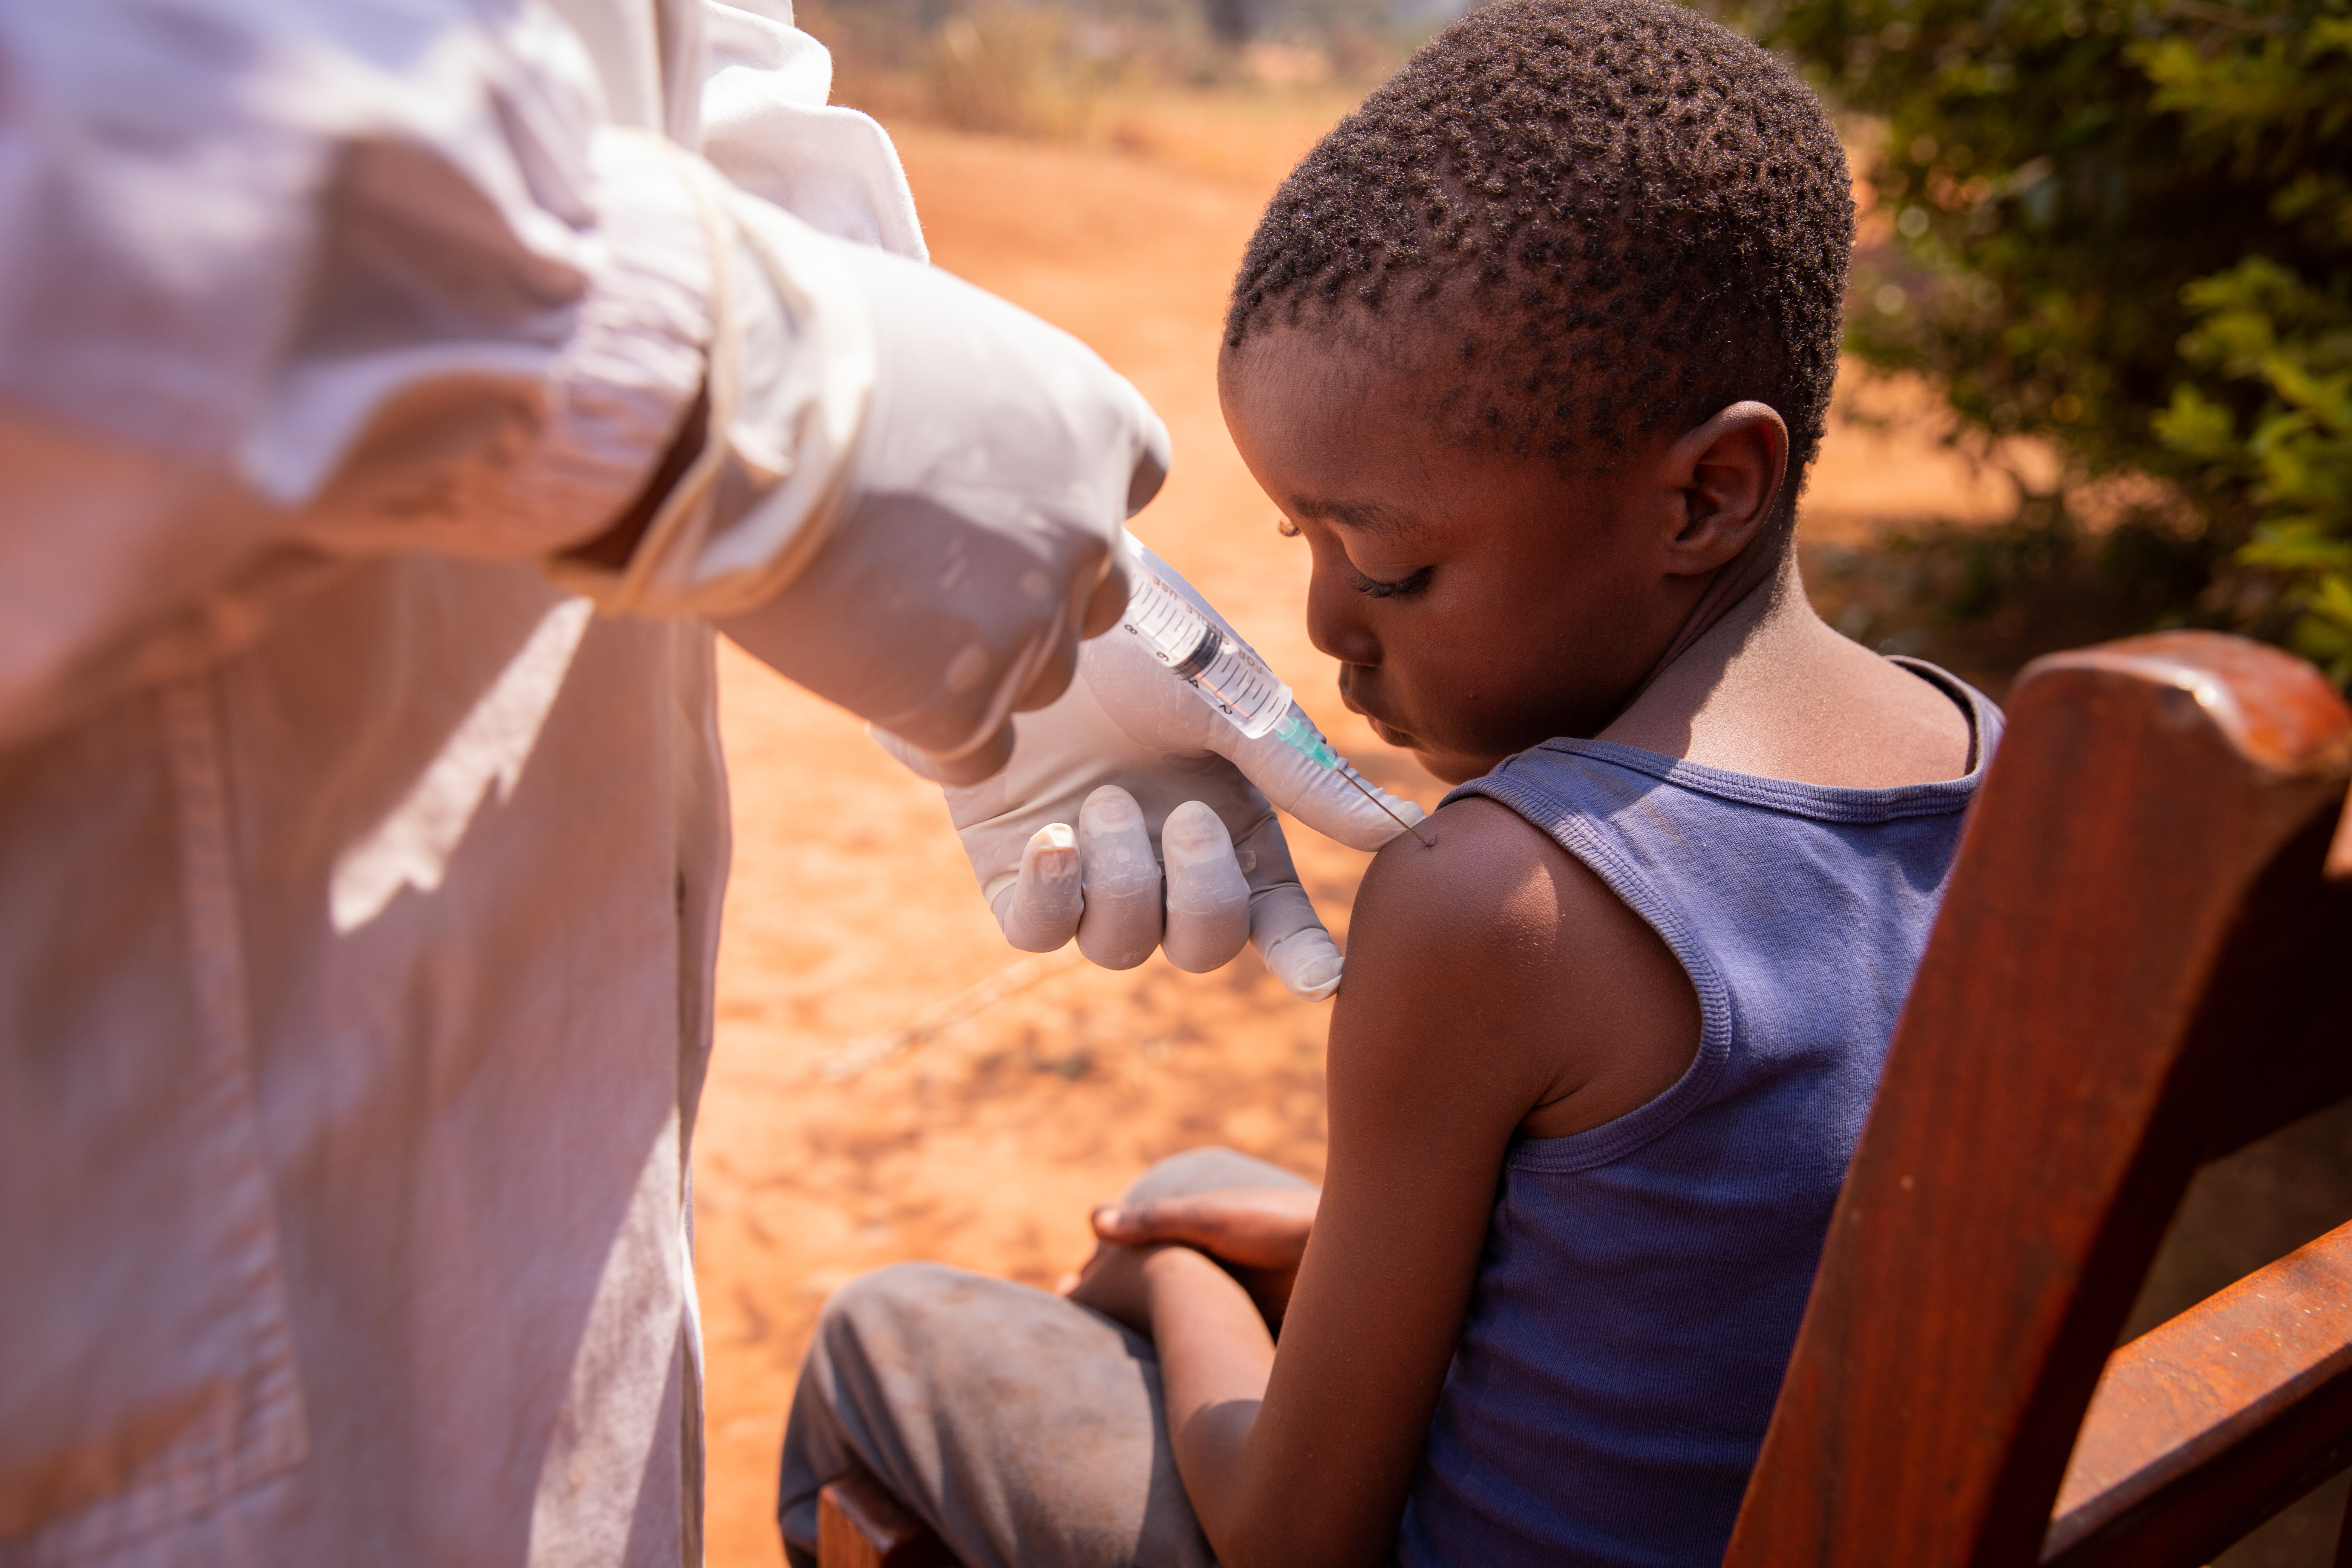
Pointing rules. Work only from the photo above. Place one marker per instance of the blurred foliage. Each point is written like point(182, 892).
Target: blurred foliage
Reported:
point(2124, 227)
point(993, 64)
point(1027, 69)
point(1048, 68)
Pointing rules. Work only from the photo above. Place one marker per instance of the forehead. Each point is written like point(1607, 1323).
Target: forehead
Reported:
point(1318, 407)
point(1335, 381)
point(1349, 430)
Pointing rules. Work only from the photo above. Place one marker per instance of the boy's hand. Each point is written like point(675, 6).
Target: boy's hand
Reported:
point(1114, 1283)
point(1259, 1234)
point(1256, 1228)
point(1133, 1285)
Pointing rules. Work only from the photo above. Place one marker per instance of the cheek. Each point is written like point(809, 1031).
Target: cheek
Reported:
point(1520, 667)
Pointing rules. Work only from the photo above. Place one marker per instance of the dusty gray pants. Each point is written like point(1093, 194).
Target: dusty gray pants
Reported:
point(1027, 1431)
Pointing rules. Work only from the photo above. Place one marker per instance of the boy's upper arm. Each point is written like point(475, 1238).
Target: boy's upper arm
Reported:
point(1487, 978)
point(1499, 964)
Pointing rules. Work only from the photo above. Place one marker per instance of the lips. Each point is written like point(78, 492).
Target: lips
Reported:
point(1388, 734)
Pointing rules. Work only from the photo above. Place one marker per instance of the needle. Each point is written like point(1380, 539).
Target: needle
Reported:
point(1300, 735)
point(1349, 773)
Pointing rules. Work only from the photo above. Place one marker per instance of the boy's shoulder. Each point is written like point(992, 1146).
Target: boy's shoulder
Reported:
point(1495, 941)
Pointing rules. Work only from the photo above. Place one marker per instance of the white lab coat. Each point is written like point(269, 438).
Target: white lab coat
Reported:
point(358, 885)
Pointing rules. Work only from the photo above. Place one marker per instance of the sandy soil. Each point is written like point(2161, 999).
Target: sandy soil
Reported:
point(890, 1081)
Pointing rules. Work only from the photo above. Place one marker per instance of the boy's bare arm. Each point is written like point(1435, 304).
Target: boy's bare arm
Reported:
point(1491, 980)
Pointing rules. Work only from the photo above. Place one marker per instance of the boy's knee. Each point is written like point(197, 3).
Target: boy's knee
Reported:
point(923, 1347)
point(930, 1323)
point(1205, 1170)
point(898, 1302)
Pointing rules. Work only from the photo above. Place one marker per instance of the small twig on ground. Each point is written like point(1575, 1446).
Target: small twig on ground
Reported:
point(859, 1056)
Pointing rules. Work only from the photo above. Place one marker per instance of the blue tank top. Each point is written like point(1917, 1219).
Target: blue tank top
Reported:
point(1641, 1282)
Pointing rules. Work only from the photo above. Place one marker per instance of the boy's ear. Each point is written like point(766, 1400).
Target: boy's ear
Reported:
point(1729, 472)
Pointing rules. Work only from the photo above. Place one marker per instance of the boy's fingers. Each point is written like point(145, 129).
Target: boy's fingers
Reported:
point(1040, 912)
point(1240, 1228)
point(1119, 925)
point(1208, 901)
point(1153, 1220)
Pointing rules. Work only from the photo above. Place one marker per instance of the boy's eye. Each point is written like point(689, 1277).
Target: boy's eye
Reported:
point(1404, 587)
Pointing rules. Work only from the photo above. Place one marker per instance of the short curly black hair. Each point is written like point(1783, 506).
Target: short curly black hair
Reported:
point(1635, 216)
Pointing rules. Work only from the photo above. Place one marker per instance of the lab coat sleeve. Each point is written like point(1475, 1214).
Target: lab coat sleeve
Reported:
point(283, 289)
point(767, 126)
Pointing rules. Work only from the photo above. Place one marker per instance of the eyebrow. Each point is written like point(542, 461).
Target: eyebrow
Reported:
point(1360, 516)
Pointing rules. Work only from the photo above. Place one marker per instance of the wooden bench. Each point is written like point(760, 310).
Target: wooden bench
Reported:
point(2142, 963)
point(860, 1525)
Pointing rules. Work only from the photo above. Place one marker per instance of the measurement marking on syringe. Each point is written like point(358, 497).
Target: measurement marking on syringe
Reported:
point(1204, 653)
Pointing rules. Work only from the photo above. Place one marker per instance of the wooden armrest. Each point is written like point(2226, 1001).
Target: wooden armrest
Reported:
point(2207, 1426)
point(860, 1525)
point(2338, 867)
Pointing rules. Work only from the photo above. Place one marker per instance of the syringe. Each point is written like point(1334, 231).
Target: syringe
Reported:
point(1228, 677)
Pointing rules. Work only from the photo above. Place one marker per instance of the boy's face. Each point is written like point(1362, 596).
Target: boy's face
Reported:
point(1478, 603)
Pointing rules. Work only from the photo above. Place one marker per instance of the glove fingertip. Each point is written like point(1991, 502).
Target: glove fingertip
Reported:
point(1039, 910)
point(1308, 962)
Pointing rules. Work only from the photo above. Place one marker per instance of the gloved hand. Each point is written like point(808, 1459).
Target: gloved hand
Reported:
point(973, 546)
point(1128, 763)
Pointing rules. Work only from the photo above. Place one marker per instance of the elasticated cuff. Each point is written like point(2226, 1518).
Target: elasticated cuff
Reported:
point(789, 371)
point(637, 355)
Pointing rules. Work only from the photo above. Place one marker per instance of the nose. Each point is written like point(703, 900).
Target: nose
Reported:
point(1336, 619)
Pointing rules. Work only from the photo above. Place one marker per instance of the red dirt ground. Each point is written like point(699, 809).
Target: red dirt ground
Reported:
point(983, 1141)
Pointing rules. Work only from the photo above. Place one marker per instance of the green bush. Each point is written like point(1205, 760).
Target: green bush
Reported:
point(2124, 227)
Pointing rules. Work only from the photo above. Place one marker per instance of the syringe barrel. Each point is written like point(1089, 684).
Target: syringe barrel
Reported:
point(1220, 670)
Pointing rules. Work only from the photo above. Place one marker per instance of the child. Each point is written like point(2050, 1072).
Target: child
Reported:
point(1533, 350)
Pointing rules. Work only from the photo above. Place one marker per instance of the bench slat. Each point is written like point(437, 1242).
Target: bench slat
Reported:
point(860, 1525)
point(2206, 1425)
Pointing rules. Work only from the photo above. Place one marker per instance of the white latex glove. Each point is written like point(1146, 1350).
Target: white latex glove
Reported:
point(1129, 769)
point(974, 543)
